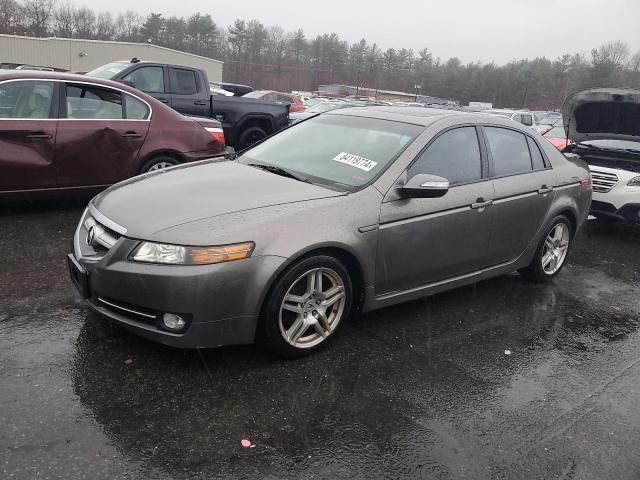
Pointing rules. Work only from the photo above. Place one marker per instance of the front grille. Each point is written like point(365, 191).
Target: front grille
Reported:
point(603, 182)
point(96, 235)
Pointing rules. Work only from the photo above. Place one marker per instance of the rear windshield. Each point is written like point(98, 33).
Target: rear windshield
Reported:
point(556, 132)
point(108, 71)
point(335, 150)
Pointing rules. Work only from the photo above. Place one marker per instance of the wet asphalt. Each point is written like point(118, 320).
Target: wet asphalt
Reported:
point(421, 390)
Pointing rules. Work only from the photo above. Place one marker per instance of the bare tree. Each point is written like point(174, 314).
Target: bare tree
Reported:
point(10, 14)
point(84, 21)
point(128, 26)
point(105, 28)
point(63, 20)
point(38, 15)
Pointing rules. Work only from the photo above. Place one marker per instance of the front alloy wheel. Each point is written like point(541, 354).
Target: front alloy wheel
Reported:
point(305, 306)
point(312, 308)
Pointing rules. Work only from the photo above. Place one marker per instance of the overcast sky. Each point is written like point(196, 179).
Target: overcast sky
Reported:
point(485, 30)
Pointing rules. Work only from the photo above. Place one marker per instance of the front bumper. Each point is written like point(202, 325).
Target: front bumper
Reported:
point(221, 302)
point(629, 212)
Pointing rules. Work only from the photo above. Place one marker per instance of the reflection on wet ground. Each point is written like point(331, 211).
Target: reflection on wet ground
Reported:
point(421, 390)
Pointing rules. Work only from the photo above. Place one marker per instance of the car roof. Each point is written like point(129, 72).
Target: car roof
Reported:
point(426, 116)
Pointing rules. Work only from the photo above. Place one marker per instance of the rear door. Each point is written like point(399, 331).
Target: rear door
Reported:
point(524, 190)
point(100, 135)
point(153, 80)
point(28, 126)
point(425, 240)
point(185, 85)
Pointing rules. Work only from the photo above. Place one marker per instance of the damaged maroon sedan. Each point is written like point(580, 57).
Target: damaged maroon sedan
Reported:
point(63, 133)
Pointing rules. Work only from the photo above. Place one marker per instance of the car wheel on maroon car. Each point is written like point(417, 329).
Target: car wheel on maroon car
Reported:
point(158, 163)
point(250, 136)
point(306, 306)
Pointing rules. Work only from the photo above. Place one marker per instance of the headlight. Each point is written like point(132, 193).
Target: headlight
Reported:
point(634, 182)
point(148, 252)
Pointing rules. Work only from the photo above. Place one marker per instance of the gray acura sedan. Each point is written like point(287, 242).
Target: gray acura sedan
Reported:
point(352, 210)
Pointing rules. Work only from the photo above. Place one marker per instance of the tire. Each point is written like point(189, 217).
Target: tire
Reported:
point(551, 254)
point(294, 334)
point(158, 163)
point(250, 136)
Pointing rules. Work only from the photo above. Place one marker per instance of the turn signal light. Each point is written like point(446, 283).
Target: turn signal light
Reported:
point(226, 253)
point(217, 134)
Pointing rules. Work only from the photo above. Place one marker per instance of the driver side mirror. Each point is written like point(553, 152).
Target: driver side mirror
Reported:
point(424, 186)
point(128, 83)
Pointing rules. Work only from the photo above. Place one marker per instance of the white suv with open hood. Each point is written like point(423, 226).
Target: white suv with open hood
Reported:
point(604, 123)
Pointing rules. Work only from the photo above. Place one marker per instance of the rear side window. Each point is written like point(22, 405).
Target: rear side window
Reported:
point(454, 155)
point(86, 102)
point(26, 99)
point(136, 109)
point(147, 79)
point(183, 82)
point(526, 120)
point(509, 151)
point(536, 157)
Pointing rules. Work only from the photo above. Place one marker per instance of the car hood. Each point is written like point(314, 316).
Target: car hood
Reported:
point(163, 199)
point(603, 114)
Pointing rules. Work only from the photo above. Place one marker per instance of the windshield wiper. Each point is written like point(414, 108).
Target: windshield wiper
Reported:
point(280, 171)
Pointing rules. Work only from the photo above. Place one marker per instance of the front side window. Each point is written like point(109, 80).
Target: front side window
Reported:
point(183, 82)
point(526, 120)
point(26, 99)
point(342, 151)
point(87, 102)
point(454, 155)
point(509, 151)
point(147, 79)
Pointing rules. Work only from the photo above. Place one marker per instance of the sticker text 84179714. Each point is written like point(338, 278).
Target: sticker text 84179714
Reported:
point(355, 161)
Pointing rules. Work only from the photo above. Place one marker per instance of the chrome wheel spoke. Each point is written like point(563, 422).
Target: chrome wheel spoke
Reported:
point(332, 296)
point(294, 298)
point(292, 307)
point(547, 259)
point(297, 329)
point(311, 282)
point(321, 330)
point(548, 243)
point(318, 283)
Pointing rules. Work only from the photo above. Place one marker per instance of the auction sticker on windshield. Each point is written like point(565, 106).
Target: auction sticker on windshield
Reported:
point(355, 161)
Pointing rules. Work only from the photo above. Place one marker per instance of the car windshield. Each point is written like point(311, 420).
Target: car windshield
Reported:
point(335, 150)
point(108, 70)
point(326, 107)
point(556, 132)
point(614, 144)
point(254, 94)
point(549, 120)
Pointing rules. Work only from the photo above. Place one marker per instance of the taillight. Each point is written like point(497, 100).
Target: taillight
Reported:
point(216, 133)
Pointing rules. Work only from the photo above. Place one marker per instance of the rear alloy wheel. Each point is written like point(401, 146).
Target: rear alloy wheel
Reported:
point(306, 307)
point(159, 163)
point(552, 252)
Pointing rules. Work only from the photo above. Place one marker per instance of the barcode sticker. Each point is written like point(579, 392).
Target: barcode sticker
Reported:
point(355, 161)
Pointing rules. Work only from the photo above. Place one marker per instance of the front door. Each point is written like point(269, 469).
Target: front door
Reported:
point(524, 184)
point(152, 80)
point(28, 126)
point(100, 135)
point(425, 240)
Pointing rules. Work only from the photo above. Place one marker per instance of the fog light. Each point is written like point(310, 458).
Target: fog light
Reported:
point(173, 322)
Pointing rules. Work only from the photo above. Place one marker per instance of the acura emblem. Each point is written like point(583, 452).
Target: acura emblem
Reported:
point(91, 235)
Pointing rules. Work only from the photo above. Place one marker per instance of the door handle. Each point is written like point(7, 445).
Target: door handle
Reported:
point(480, 203)
point(131, 135)
point(39, 136)
point(199, 102)
point(544, 190)
point(164, 100)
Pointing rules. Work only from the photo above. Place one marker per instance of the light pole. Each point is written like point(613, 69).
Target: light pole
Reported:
point(417, 88)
